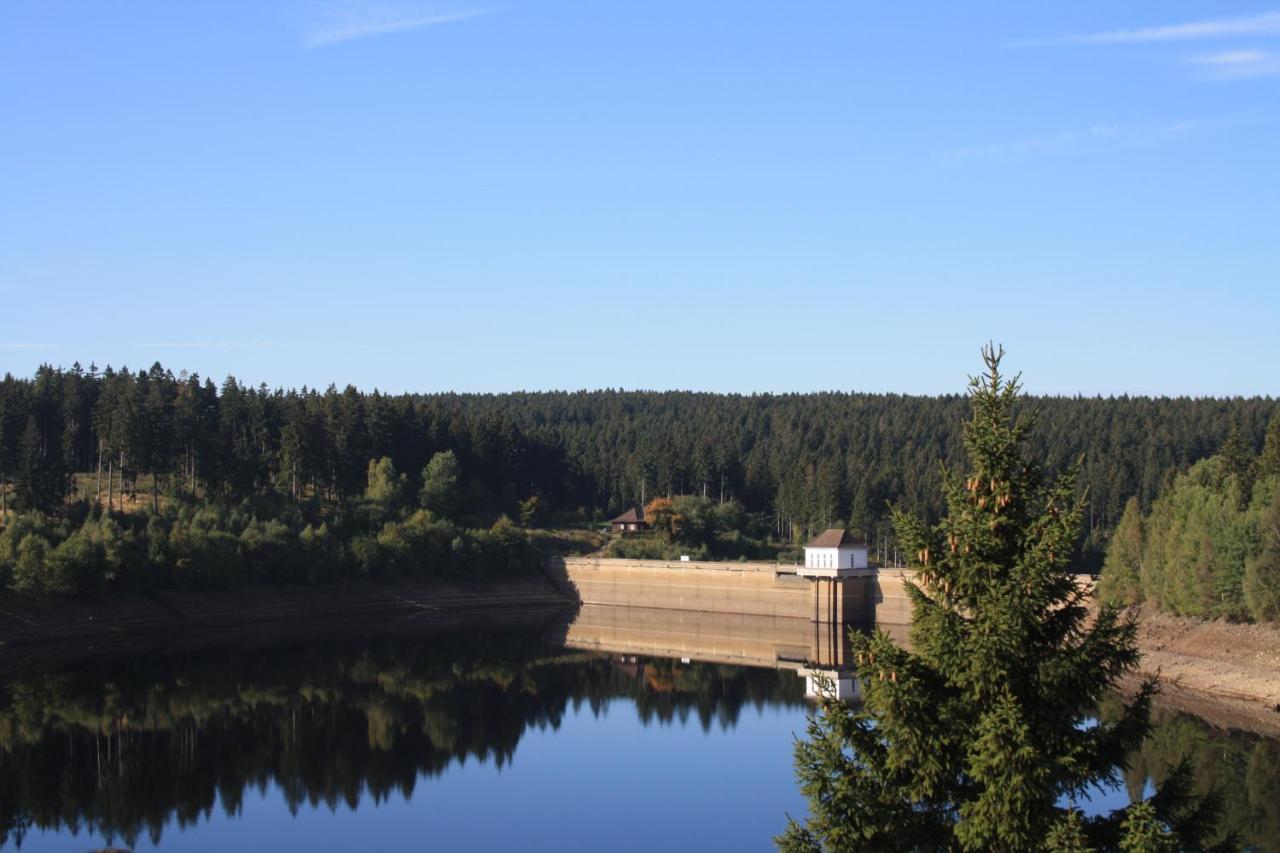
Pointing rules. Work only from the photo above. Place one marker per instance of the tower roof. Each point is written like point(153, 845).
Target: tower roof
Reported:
point(836, 537)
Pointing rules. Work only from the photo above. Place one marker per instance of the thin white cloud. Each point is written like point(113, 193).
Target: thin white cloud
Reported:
point(1266, 24)
point(341, 22)
point(1230, 57)
point(1095, 138)
point(212, 345)
point(1237, 64)
point(13, 346)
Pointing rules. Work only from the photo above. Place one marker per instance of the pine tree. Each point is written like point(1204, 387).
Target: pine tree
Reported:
point(1121, 580)
point(1269, 461)
point(1237, 457)
point(42, 482)
point(981, 736)
point(1262, 571)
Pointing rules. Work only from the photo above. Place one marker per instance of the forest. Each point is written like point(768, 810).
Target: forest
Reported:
point(154, 476)
point(1209, 546)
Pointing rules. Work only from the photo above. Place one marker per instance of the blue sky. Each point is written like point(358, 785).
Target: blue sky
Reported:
point(745, 196)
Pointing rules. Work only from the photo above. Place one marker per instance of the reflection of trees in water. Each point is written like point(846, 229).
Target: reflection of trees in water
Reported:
point(122, 749)
point(715, 694)
point(1245, 767)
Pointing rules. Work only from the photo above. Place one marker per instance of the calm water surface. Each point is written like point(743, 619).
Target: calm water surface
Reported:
point(467, 740)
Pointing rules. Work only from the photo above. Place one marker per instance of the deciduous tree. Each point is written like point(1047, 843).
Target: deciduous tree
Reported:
point(440, 484)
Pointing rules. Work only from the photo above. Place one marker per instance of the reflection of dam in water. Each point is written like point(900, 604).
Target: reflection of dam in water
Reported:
point(812, 650)
point(749, 614)
point(753, 614)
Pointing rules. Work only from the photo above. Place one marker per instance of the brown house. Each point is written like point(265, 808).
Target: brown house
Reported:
point(630, 521)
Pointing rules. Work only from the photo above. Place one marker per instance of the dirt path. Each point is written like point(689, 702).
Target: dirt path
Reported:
point(1219, 670)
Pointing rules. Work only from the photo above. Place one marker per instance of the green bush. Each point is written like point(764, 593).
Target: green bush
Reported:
point(74, 567)
point(643, 548)
point(29, 564)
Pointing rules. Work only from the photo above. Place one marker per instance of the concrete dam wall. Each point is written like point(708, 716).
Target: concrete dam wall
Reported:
point(744, 589)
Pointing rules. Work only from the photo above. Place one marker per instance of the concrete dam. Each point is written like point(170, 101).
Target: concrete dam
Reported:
point(751, 614)
point(747, 589)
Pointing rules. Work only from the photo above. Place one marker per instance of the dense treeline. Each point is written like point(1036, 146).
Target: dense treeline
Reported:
point(798, 461)
point(202, 547)
point(121, 750)
point(813, 460)
point(255, 485)
point(1210, 544)
point(226, 444)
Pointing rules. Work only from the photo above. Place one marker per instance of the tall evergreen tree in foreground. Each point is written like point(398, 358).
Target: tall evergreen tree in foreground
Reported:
point(982, 735)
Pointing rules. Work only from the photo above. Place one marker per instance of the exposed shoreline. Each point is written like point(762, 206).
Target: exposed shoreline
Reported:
point(1226, 673)
point(37, 632)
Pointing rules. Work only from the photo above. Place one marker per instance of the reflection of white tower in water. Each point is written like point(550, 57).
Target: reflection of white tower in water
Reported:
point(832, 683)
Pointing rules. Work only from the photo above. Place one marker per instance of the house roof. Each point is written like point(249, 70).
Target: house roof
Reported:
point(836, 537)
point(631, 516)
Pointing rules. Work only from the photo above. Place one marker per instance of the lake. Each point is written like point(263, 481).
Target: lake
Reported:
point(529, 735)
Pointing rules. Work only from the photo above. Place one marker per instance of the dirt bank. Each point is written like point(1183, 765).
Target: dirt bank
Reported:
point(1218, 670)
point(1227, 673)
point(54, 628)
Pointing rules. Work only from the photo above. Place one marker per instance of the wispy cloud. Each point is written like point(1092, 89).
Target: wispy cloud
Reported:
point(1230, 57)
point(1237, 64)
point(1094, 138)
point(212, 345)
point(1266, 24)
point(340, 22)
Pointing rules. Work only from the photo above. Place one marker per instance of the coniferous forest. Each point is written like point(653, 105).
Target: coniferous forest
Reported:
point(121, 477)
point(1209, 546)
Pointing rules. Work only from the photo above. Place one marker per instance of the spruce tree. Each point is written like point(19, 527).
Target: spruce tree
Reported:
point(1269, 461)
point(1121, 579)
point(1262, 572)
point(982, 735)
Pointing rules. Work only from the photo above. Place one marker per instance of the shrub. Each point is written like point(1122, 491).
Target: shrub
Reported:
point(28, 565)
point(74, 567)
